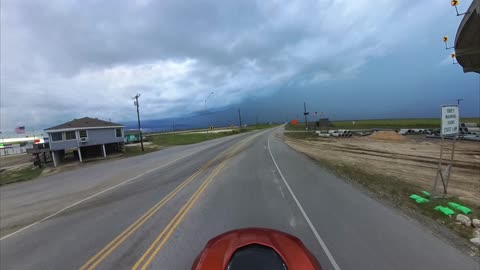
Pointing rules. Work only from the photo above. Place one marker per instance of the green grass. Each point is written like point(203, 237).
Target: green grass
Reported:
point(12, 176)
point(190, 138)
point(386, 123)
point(182, 139)
point(137, 150)
point(301, 135)
point(259, 126)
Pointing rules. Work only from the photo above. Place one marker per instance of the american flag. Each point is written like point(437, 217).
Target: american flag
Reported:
point(20, 130)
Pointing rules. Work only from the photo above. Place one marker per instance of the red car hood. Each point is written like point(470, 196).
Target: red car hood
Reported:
point(219, 250)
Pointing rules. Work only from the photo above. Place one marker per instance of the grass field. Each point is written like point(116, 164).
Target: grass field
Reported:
point(171, 139)
point(386, 123)
point(24, 174)
point(189, 138)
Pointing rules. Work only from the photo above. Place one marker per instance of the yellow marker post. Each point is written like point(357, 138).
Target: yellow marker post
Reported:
point(455, 3)
point(445, 40)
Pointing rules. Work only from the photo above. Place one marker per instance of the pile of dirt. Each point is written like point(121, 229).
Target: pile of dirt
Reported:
point(388, 136)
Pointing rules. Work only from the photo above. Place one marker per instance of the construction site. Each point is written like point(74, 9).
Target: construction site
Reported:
point(399, 165)
point(411, 158)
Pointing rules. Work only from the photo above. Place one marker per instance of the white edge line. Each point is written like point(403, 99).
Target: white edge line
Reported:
point(96, 194)
point(99, 193)
point(322, 243)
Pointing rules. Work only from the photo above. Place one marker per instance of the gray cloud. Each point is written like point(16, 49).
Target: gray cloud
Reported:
point(65, 59)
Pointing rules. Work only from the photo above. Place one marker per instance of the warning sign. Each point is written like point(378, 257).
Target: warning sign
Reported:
point(450, 120)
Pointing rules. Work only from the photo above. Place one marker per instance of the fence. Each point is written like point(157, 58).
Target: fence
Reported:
point(12, 150)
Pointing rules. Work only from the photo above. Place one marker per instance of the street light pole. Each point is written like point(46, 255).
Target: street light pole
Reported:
point(138, 119)
point(207, 99)
point(209, 95)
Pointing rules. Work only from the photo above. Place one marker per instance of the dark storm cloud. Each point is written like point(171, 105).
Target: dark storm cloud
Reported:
point(90, 57)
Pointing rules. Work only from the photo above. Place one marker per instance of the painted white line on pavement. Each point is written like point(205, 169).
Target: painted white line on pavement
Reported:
point(322, 243)
point(99, 193)
point(105, 190)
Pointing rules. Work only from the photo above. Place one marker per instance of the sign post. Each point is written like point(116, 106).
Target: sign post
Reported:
point(450, 124)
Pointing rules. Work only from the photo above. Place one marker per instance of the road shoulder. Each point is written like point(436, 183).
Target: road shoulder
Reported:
point(356, 177)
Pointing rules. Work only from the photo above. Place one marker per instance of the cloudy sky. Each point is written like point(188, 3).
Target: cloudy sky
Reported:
point(350, 59)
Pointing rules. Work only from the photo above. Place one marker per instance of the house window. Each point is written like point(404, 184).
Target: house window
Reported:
point(118, 132)
point(56, 136)
point(83, 134)
point(70, 135)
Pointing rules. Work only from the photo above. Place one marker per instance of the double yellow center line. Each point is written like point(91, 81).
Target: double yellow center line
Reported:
point(158, 243)
point(162, 238)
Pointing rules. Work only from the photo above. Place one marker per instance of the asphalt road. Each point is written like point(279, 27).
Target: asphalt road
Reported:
point(157, 211)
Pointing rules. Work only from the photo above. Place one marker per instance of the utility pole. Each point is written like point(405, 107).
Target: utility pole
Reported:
point(256, 120)
point(138, 119)
point(458, 103)
point(305, 113)
point(240, 118)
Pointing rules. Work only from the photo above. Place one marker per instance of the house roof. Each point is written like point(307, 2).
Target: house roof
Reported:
point(83, 123)
point(467, 41)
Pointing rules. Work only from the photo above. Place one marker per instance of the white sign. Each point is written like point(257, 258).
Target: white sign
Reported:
point(450, 120)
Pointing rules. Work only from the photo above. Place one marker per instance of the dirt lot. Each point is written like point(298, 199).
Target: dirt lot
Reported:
point(412, 160)
point(15, 160)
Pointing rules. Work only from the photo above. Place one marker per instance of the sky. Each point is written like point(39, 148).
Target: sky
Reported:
point(350, 59)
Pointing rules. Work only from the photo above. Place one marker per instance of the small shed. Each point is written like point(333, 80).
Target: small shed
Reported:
point(131, 136)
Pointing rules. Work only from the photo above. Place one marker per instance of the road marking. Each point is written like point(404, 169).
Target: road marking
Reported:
point(97, 194)
point(102, 254)
point(322, 243)
point(173, 224)
point(178, 218)
point(107, 250)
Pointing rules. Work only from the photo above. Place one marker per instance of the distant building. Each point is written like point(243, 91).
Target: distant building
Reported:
point(324, 123)
point(87, 137)
point(132, 136)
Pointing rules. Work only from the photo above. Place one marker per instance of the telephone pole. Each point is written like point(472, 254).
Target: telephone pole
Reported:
point(305, 113)
point(240, 118)
point(138, 119)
